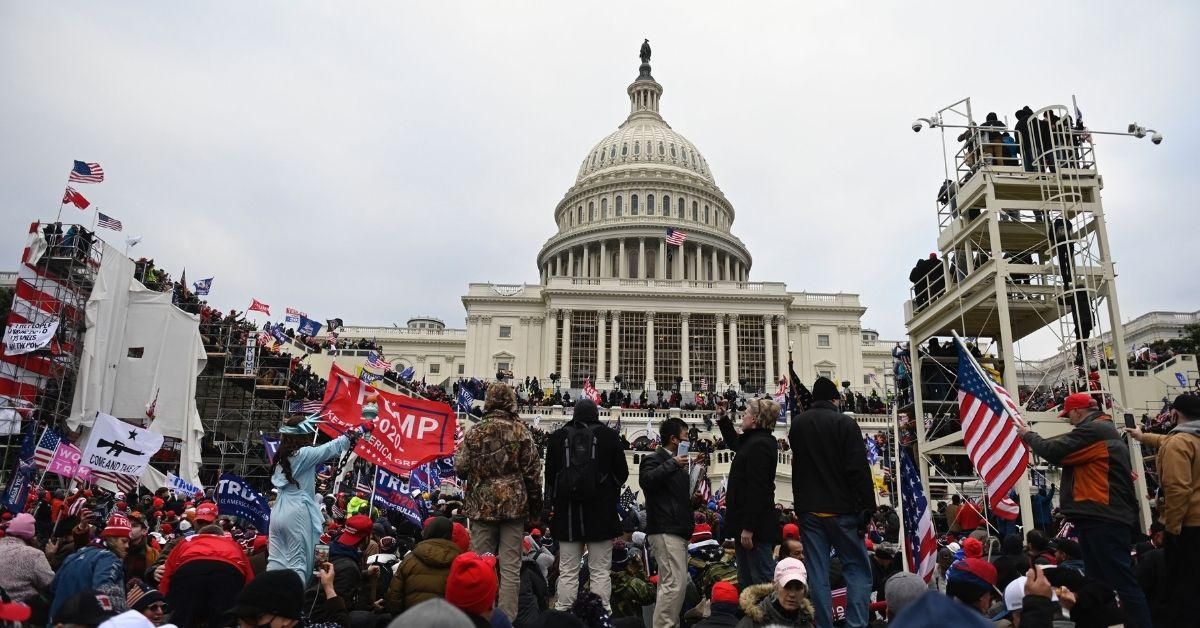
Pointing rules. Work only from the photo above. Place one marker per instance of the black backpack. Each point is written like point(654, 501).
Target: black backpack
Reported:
point(579, 478)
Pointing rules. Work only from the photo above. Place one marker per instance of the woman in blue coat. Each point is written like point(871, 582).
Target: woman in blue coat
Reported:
point(295, 518)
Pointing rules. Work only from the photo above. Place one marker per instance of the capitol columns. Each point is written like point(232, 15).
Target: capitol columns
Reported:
point(733, 353)
point(660, 269)
point(604, 258)
point(649, 350)
point(564, 370)
point(685, 370)
point(768, 356)
point(721, 383)
point(641, 269)
point(571, 262)
point(616, 344)
point(621, 261)
point(601, 320)
point(548, 325)
point(782, 331)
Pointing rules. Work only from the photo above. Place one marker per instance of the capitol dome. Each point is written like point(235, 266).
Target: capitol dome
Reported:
point(637, 186)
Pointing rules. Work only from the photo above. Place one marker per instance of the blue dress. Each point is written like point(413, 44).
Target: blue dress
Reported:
point(295, 518)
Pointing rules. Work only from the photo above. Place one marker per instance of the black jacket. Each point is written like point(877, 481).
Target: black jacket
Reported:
point(666, 486)
point(598, 519)
point(830, 473)
point(750, 500)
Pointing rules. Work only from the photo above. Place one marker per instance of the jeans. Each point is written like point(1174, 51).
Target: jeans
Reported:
point(755, 565)
point(839, 532)
point(502, 538)
point(599, 570)
point(670, 552)
point(1183, 557)
point(1105, 547)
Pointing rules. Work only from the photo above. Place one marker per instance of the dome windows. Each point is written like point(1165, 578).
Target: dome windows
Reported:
point(624, 149)
point(591, 211)
point(637, 148)
point(661, 151)
point(666, 205)
point(603, 209)
point(613, 152)
point(579, 214)
point(695, 211)
point(633, 205)
point(620, 207)
point(706, 215)
point(672, 151)
point(649, 204)
point(680, 209)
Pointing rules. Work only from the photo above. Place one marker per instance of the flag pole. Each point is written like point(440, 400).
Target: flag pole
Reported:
point(63, 202)
point(374, 485)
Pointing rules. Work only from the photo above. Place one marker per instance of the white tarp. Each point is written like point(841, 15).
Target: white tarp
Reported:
point(140, 350)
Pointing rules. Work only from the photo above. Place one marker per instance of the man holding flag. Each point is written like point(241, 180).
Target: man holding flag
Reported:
point(1097, 497)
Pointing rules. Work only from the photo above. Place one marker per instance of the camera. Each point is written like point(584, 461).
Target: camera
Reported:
point(916, 126)
point(1156, 138)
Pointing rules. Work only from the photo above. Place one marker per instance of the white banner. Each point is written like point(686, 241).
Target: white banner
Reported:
point(118, 447)
point(180, 485)
point(25, 337)
point(293, 315)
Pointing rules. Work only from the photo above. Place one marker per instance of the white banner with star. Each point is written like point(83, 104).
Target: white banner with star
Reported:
point(118, 447)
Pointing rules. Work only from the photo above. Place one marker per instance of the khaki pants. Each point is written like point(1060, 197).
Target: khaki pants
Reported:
point(599, 568)
point(671, 553)
point(502, 538)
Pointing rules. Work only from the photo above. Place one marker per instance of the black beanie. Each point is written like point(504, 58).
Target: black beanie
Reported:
point(825, 390)
point(585, 411)
point(438, 528)
point(276, 592)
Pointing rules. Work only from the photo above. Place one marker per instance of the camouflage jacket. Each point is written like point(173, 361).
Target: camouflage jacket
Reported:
point(629, 594)
point(499, 463)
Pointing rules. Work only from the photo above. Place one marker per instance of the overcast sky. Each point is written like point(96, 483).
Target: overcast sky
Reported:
point(368, 160)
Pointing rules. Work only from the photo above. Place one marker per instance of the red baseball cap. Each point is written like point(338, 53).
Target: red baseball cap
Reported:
point(1077, 401)
point(358, 528)
point(206, 512)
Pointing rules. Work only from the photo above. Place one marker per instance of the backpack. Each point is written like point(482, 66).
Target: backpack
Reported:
point(579, 477)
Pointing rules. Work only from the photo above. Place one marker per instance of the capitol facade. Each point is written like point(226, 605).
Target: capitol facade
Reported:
point(617, 298)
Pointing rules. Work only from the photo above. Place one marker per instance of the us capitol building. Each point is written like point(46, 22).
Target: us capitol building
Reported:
point(616, 299)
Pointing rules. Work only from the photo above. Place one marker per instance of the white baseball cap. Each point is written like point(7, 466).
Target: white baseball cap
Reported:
point(790, 570)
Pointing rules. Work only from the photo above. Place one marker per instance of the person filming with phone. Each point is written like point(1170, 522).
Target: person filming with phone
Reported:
point(666, 484)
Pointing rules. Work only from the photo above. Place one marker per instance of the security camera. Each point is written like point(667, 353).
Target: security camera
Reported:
point(1156, 138)
point(916, 126)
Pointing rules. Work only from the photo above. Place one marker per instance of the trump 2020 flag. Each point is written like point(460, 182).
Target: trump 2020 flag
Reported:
point(115, 446)
point(391, 493)
point(308, 327)
point(235, 498)
point(202, 287)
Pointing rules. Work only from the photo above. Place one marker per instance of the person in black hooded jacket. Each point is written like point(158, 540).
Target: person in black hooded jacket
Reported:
point(750, 518)
point(594, 522)
point(834, 495)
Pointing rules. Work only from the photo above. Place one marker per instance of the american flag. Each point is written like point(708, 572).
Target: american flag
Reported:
point(675, 237)
point(989, 423)
point(590, 391)
point(362, 483)
point(628, 498)
point(376, 361)
point(45, 447)
point(305, 407)
point(918, 523)
point(123, 483)
point(86, 173)
point(703, 383)
point(108, 222)
point(1007, 509)
point(76, 506)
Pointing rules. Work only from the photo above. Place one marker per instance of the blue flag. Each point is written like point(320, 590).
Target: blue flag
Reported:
point(202, 287)
point(390, 493)
point(271, 444)
point(1182, 379)
point(236, 498)
point(308, 327)
point(368, 377)
point(872, 451)
point(425, 478)
point(465, 399)
point(22, 479)
point(277, 332)
point(407, 374)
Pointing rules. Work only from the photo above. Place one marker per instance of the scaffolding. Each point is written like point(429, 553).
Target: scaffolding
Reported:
point(54, 280)
point(242, 394)
point(1024, 251)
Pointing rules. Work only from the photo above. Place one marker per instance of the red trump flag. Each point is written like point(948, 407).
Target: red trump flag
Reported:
point(408, 433)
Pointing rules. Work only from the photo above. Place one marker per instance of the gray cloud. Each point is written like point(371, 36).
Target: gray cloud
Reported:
point(369, 160)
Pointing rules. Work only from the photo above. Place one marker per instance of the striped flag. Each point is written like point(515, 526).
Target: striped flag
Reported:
point(75, 198)
point(989, 424)
point(108, 222)
point(376, 361)
point(122, 483)
point(918, 523)
point(46, 446)
point(86, 173)
point(1007, 509)
point(590, 391)
point(675, 237)
point(305, 407)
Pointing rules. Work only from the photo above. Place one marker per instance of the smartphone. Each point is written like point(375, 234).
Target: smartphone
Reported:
point(683, 448)
point(1129, 422)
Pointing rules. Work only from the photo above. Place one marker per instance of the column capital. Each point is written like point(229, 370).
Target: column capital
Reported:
point(525, 320)
point(421, 359)
point(473, 318)
point(650, 316)
point(721, 318)
point(843, 329)
point(733, 319)
point(601, 314)
point(615, 314)
point(777, 319)
point(485, 319)
point(684, 316)
point(855, 330)
point(566, 314)
point(553, 312)
point(802, 328)
point(537, 320)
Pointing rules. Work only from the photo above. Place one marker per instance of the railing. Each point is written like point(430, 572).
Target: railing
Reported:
point(766, 287)
point(8, 278)
point(399, 332)
point(693, 227)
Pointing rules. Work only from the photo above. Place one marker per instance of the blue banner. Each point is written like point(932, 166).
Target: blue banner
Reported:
point(390, 493)
point(235, 498)
point(277, 332)
point(1182, 379)
point(308, 327)
point(22, 479)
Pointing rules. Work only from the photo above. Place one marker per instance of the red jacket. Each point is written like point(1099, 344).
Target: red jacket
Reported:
point(205, 547)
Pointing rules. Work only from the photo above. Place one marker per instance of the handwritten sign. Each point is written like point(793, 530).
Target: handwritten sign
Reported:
point(25, 337)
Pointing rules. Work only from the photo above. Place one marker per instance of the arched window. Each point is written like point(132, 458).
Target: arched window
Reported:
point(620, 207)
point(666, 205)
point(695, 211)
point(672, 151)
point(591, 211)
point(681, 208)
point(637, 148)
point(649, 204)
point(661, 152)
point(603, 208)
point(633, 205)
point(706, 214)
point(624, 149)
point(613, 153)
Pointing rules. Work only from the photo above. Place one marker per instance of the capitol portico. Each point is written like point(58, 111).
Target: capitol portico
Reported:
point(616, 298)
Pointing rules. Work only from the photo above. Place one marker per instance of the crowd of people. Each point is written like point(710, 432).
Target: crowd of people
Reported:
point(544, 530)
